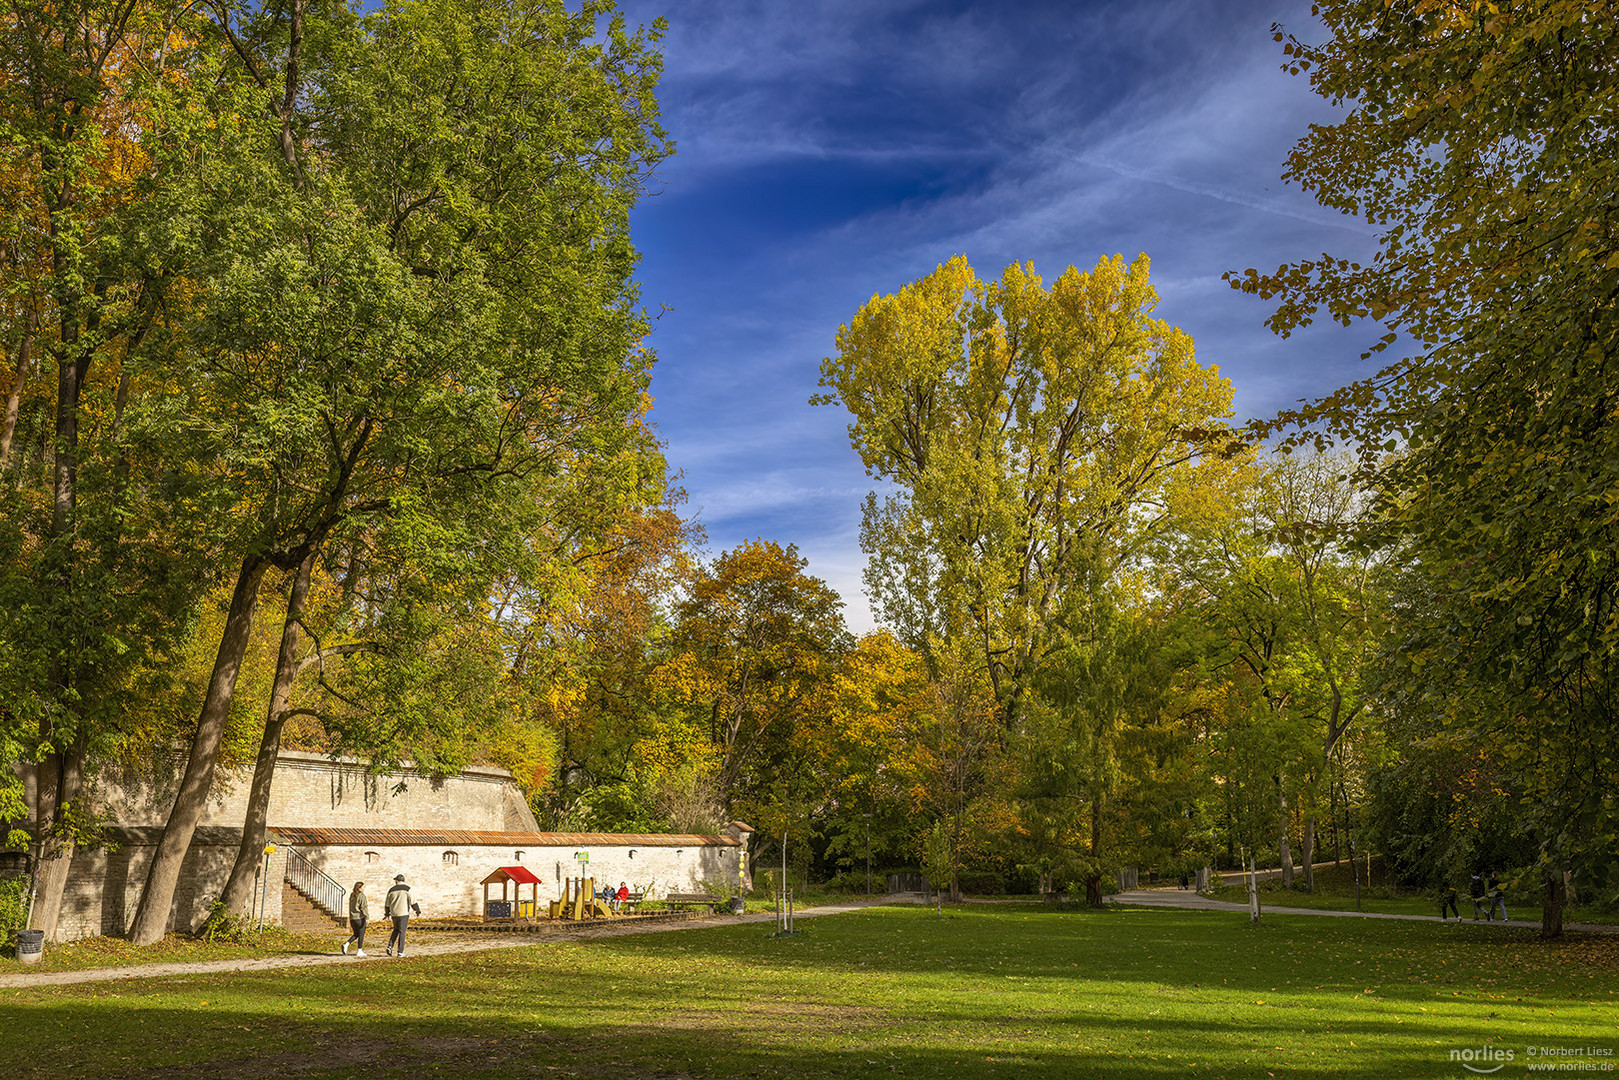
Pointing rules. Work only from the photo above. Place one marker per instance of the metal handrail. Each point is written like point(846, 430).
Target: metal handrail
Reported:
point(316, 884)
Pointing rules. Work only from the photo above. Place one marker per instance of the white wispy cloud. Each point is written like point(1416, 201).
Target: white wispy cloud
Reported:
point(1054, 132)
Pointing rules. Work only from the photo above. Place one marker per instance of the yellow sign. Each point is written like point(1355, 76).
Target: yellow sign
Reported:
point(269, 849)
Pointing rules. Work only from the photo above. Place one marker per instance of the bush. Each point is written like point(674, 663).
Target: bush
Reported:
point(764, 881)
point(854, 881)
point(221, 925)
point(13, 909)
point(982, 882)
point(1023, 881)
point(724, 889)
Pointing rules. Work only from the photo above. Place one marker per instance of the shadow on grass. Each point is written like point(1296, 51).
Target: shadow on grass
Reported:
point(1009, 993)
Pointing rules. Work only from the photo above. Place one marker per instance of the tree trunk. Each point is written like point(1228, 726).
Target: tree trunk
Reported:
point(1281, 846)
point(151, 920)
point(1309, 854)
point(59, 784)
point(955, 852)
point(1555, 896)
point(238, 890)
point(1332, 818)
point(25, 354)
point(1093, 883)
point(60, 781)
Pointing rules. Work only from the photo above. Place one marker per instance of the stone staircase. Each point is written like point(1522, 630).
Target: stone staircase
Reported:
point(301, 915)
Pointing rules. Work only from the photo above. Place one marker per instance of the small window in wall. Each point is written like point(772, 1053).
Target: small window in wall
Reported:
point(632, 853)
point(517, 856)
point(372, 856)
point(451, 858)
point(679, 852)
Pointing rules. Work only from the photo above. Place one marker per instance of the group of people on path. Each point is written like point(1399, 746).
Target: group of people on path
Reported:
point(1490, 894)
point(397, 905)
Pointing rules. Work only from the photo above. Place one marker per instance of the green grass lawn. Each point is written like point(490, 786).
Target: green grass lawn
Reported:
point(108, 952)
point(992, 991)
point(1335, 891)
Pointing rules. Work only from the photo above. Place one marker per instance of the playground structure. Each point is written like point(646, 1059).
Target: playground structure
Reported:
point(516, 877)
point(579, 901)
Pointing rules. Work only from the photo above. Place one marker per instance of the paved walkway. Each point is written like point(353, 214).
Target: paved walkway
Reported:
point(1182, 898)
point(422, 943)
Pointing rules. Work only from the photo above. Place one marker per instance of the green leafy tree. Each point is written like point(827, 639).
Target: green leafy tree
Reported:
point(753, 640)
point(1476, 136)
point(1299, 604)
point(1041, 439)
point(1034, 434)
point(414, 310)
point(100, 551)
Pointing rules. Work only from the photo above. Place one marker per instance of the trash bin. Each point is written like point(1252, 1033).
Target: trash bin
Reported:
point(736, 905)
point(30, 946)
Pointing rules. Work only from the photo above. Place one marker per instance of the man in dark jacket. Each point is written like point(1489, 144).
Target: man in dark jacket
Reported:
point(398, 907)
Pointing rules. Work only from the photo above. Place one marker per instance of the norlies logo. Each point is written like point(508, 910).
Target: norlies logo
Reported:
point(1484, 1059)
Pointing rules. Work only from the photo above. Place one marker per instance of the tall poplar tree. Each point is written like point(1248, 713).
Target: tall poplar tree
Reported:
point(1037, 437)
point(1040, 438)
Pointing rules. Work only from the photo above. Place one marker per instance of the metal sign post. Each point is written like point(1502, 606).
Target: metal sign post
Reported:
point(264, 896)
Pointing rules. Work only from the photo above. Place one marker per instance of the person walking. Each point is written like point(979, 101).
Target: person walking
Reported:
point(359, 915)
point(1475, 890)
point(1447, 902)
point(398, 907)
point(1497, 897)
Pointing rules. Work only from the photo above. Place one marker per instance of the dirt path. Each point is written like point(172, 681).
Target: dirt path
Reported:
point(1180, 898)
point(422, 943)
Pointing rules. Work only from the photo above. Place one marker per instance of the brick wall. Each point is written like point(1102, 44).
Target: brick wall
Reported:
point(313, 792)
point(311, 789)
point(450, 888)
point(104, 886)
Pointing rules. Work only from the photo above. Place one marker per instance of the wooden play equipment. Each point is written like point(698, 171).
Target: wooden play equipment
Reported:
point(579, 901)
point(516, 877)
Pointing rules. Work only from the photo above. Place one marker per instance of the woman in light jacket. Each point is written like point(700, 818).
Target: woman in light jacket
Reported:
point(359, 915)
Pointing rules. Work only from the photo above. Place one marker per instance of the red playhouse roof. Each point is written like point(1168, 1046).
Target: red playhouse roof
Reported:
point(520, 874)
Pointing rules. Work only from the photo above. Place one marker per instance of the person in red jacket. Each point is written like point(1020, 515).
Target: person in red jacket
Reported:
point(621, 897)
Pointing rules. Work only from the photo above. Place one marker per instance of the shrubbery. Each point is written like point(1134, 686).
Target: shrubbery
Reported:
point(982, 882)
point(13, 909)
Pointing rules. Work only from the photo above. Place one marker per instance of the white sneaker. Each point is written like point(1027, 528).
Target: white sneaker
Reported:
point(345, 948)
point(359, 952)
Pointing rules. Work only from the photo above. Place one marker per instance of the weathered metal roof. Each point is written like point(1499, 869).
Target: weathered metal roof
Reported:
point(146, 835)
point(480, 838)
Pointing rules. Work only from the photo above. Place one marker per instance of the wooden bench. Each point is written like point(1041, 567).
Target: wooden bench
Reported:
point(629, 902)
point(682, 899)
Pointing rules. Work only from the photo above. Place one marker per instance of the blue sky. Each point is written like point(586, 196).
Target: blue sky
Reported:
point(830, 150)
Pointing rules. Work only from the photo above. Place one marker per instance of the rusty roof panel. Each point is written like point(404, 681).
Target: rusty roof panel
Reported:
point(480, 838)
